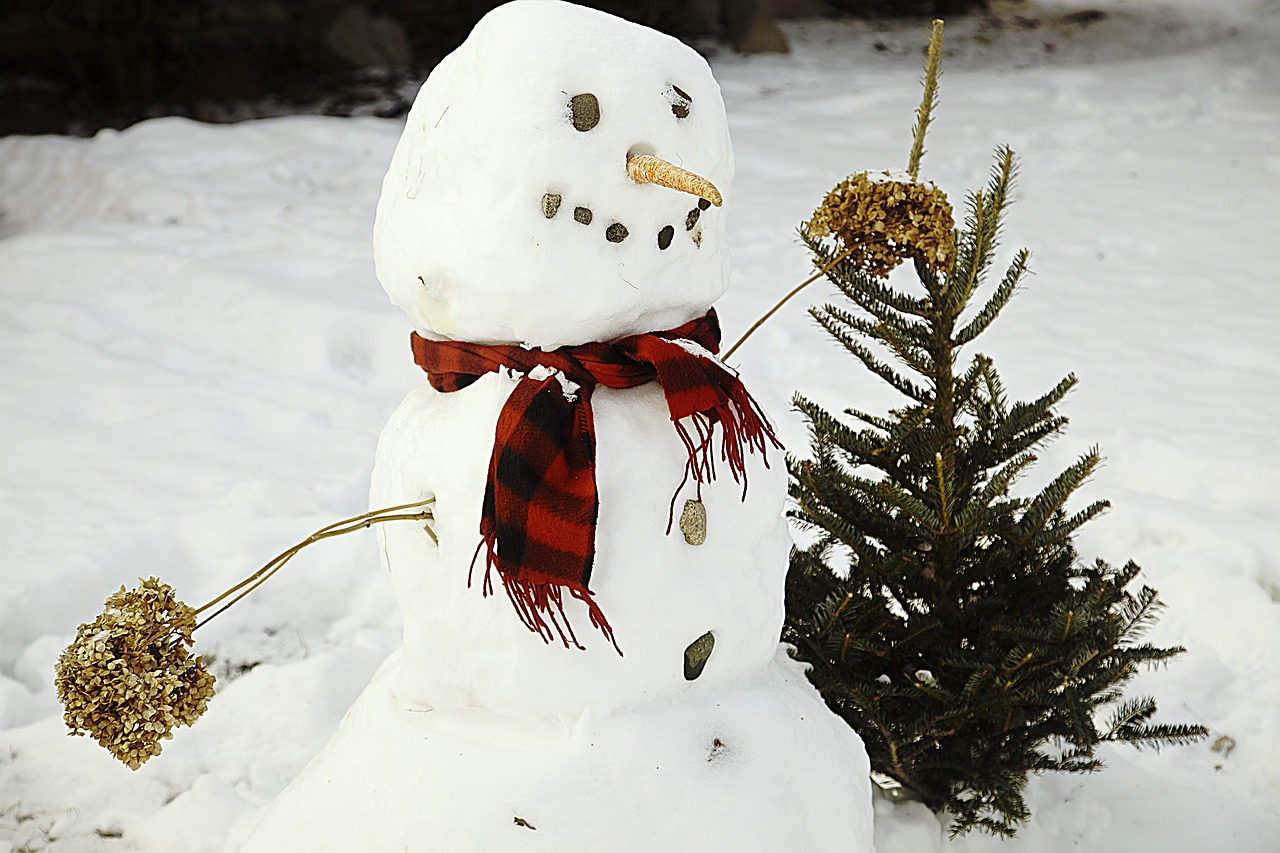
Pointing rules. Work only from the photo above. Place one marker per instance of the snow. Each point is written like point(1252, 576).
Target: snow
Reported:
point(894, 176)
point(197, 362)
point(664, 776)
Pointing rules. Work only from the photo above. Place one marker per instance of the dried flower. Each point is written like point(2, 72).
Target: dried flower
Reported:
point(129, 676)
point(887, 217)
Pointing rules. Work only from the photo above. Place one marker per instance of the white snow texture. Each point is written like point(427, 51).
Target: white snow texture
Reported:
point(196, 361)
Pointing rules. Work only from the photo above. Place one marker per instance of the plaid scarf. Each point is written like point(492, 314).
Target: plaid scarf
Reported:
point(538, 520)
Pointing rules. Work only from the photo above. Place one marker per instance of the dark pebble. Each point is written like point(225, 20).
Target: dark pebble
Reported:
point(585, 111)
point(696, 655)
point(681, 102)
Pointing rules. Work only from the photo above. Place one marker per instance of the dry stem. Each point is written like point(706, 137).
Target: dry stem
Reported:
point(338, 528)
point(784, 300)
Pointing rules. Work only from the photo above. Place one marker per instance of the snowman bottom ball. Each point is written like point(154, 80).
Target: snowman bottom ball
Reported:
point(760, 767)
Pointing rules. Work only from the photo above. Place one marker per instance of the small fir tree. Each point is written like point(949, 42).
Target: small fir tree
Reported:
point(963, 639)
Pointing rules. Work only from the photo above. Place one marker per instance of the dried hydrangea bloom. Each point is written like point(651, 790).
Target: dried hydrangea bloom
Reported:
point(129, 677)
point(892, 216)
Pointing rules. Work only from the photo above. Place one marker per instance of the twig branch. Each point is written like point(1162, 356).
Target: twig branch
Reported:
point(799, 287)
point(338, 528)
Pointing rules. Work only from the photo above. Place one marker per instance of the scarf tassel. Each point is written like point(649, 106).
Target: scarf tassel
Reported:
point(744, 430)
point(539, 599)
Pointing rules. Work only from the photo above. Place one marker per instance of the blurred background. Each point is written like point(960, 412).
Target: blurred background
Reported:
point(75, 66)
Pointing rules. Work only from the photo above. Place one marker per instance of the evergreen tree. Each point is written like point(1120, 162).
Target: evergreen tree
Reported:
point(963, 637)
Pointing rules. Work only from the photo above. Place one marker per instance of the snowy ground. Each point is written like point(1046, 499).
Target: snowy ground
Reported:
point(196, 362)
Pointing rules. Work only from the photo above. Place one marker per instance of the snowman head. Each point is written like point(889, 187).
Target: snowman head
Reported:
point(509, 214)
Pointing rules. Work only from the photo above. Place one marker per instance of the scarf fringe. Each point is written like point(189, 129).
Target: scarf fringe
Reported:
point(539, 599)
point(744, 430)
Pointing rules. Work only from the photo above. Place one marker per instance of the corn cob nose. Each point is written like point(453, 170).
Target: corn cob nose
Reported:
point(647, 169)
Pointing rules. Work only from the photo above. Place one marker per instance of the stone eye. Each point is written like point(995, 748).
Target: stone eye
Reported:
point(584, 110)
point(680, 101)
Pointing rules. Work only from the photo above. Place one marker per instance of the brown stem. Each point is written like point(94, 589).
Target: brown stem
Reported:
point(338, 528)
point(799, 287)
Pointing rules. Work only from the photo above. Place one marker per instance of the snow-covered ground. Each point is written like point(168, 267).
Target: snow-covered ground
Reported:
point(196, 360)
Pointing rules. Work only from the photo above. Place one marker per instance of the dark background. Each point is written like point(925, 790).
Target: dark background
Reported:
point(74, 66)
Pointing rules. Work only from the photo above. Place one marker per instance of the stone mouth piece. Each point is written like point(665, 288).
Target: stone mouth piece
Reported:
point(696, 655)
point(616, 232)
point(648, 169)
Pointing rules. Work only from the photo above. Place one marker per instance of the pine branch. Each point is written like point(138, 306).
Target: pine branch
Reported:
point(868, 358)
point(982, 229)
point(880, 423)
point(929, 101)
point(1027, 424)
point(999, 299)
point(1156, 736)
point(996, 487)
point(1054, 495)
point(886, 328)
point(1077, 761)
point(1138, 613)
point(862, 445)
point(923, 514)
point(1063, 530)
point(1128, 716)
point(905, 343)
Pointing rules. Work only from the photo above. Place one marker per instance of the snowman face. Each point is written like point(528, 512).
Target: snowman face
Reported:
point(509, 214)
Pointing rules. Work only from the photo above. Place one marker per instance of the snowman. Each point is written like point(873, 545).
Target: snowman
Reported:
point(591, 621)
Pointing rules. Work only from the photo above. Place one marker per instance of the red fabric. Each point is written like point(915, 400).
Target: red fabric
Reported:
point(538, 521)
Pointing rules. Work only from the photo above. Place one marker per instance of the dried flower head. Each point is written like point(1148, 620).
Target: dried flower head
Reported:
point(129, 677)
point(888, 216)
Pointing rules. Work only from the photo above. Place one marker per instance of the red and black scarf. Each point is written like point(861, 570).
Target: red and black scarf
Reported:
point(538, 521)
